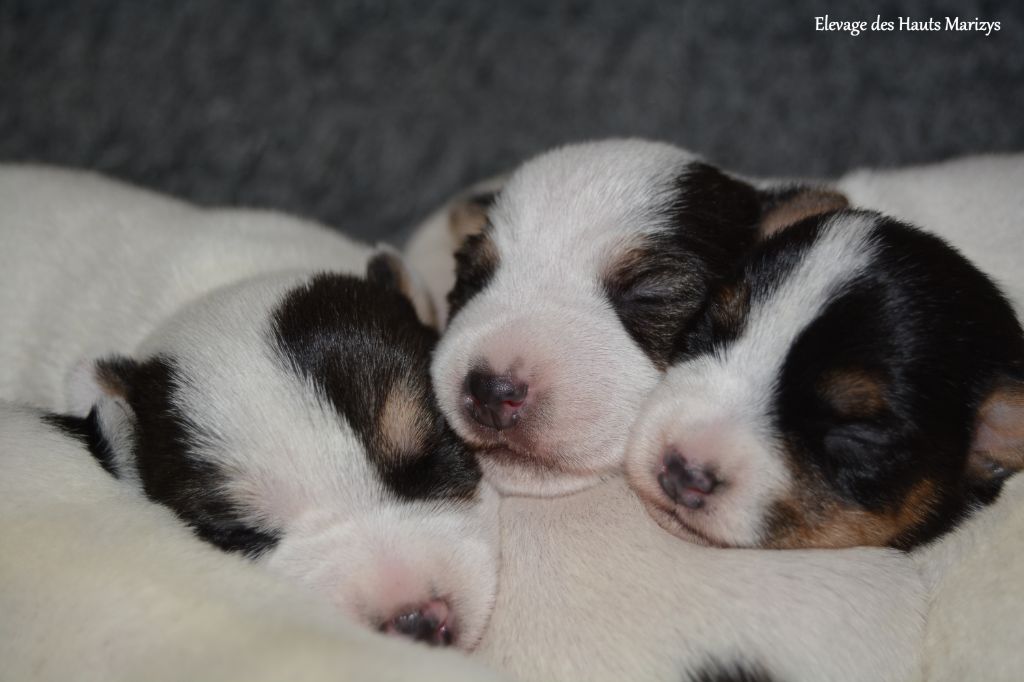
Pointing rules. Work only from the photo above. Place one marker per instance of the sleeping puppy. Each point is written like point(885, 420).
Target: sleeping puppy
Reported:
point(97, 583)
point(857, 382)
point(570, 286)
point(266, 380)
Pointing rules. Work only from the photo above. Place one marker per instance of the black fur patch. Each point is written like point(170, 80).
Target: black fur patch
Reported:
point(475, 264)
point(356, 343)
point(169, 472)
point(658, 287)
point(734, 672)
point(87, 431)
point(943, 335)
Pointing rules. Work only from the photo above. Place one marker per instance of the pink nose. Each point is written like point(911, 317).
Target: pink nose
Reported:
point(429, 623)
point(495, 399)
point(685, 484)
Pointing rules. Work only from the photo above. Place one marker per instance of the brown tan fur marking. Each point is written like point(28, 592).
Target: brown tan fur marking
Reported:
point(731, 306)
point(805, 520)
point(854, 393)
point(404, 421)
point(803, 204)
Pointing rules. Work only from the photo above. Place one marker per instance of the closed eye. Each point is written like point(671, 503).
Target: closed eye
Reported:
point(644, 297)
point(858, 436)
point(650, 290)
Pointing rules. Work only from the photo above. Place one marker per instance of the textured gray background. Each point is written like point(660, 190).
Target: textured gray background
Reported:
point(365, 114)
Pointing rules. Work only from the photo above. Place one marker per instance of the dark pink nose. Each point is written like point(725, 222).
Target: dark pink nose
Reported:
point(495, 399)
point(683, 483)
point(428, 624)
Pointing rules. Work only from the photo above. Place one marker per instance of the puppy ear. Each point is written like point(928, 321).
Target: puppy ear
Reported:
point(787, 206)
point(467, 214)
point(997, 451)
point(99, 391)
point(387, 269)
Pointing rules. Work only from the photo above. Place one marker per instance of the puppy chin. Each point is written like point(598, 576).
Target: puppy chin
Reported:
point(672, 524)
point(516, 475)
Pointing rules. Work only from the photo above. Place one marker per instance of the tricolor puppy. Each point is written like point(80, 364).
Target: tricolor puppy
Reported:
point(99, 583)
point(857, 382)
point(280, 405)
point(570, 292)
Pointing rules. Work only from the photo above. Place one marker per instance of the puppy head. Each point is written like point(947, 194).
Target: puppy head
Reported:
point(856, 383)
point(292, 419)
point(569, 297)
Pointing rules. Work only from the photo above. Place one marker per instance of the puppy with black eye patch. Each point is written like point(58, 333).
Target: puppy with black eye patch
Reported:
point(572, 280)
point(265, 379)
point(857, 382)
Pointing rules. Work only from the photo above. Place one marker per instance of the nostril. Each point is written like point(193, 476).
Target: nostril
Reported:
point(513, 392)
point(684, 483)
point(495, 398)
point(428, 623)
point(492, 389)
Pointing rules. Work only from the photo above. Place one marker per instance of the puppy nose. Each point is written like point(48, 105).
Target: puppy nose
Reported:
point(427, 624)
point(496, 398)
point(683, 483)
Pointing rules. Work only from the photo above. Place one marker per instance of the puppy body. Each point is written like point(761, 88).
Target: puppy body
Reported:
point(592, 589)
point(280, 406)
point(97, 583)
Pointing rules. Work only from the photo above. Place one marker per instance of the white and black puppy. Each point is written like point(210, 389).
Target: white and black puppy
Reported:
point(856, 382)
point(98, 583)
point(567, 300)
point(265, 379)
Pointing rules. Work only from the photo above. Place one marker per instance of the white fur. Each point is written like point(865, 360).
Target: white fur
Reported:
point(592, 589)
point(92, 267)
point(974, 574)
point(716, 410)
point(99, 584)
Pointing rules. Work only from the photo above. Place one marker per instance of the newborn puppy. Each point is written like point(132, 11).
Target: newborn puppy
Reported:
point(98, 583)
point(281, 411)
point(569, 293)
point(857, 382)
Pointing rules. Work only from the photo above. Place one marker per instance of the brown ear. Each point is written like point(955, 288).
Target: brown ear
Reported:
point(998, 448)
point(468, 212)
point(782, 208)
